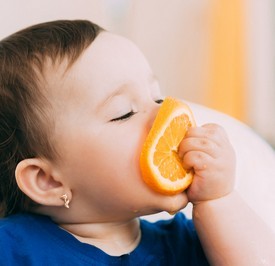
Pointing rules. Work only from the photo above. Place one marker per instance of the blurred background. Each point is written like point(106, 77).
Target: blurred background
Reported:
point(220, 54)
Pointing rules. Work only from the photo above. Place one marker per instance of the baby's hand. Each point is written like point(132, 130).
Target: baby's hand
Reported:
point(207, 150)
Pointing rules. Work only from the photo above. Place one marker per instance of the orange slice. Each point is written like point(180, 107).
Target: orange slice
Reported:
point(160, 164)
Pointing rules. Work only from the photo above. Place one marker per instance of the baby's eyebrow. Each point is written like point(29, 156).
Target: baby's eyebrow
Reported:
point(122, 88)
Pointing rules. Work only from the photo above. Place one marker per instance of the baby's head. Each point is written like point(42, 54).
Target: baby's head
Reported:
point(76, 104)
point(26, 122)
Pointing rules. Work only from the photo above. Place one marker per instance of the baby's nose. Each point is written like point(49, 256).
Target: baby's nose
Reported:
point(152, 114)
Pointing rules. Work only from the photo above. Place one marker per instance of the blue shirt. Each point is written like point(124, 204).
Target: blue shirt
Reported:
point(28, 239)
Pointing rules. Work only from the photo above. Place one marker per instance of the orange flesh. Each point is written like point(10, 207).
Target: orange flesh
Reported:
point(161, 166)
point(166, 152)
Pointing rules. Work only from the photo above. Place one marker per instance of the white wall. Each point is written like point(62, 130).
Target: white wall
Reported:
point(172, 36)
point(261, 66)
point(17, 14)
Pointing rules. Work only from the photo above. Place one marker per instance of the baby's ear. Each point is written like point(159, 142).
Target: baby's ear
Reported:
point(37, 179)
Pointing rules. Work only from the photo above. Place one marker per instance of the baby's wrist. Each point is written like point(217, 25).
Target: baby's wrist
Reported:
point(214, 201)
point(202, 193)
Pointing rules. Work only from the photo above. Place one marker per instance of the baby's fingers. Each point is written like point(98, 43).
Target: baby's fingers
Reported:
point(197, 160)
point(198, 144)
point(208, 131)
point(210, 138)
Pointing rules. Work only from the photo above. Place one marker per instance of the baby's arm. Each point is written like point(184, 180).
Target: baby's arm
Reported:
point(230, 232)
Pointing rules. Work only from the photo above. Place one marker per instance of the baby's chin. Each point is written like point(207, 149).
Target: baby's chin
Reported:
point(171, 203)
point(176, 203)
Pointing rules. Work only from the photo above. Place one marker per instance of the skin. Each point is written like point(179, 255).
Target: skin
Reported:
point(104, 107)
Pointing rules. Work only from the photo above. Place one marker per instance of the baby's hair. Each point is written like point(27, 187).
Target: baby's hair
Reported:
point(25, 126)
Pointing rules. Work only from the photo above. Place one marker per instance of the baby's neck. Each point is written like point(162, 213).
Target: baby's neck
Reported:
point(115, 239)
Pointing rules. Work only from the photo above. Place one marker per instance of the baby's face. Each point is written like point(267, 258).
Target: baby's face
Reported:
point(105, 106)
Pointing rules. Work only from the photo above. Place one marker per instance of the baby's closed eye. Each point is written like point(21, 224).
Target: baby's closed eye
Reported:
point(131, 113)
point(123, 117)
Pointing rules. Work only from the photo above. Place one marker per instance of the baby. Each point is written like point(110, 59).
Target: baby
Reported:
point(76, 103)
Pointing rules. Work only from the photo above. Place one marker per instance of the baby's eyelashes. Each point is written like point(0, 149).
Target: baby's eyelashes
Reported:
point(123, 117)
point(160, 101)
point(131, 113)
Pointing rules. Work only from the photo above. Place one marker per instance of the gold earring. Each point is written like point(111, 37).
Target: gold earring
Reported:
point(66, 200)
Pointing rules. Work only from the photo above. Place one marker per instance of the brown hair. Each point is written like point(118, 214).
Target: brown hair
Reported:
point(24, 124)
